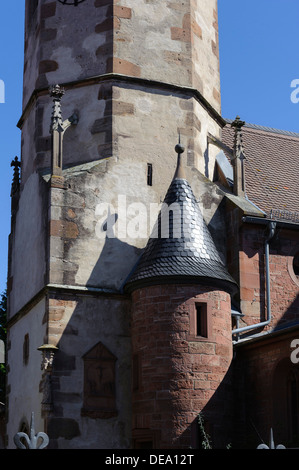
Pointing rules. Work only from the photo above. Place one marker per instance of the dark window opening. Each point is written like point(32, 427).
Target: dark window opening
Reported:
point(26, 349)
point(293, 407)
point(149, 174)
point(201, 320)
point(296, 265)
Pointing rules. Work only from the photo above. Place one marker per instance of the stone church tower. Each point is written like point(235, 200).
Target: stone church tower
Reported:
point(109, 85)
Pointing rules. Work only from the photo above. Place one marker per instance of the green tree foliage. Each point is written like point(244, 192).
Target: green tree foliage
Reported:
point(205, 438)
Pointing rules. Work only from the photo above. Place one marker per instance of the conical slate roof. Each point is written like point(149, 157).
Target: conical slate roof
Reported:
point(180, 248)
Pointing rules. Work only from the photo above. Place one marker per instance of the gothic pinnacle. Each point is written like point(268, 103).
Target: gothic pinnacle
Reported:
point(16, 176)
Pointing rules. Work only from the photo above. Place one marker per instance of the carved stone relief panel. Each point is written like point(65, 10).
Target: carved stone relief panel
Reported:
point(99, 383)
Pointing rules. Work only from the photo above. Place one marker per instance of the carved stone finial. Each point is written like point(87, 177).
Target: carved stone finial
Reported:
point(16, 164)
point(56, 92)
point(238, 141)
point(238, 158)
point(237, 123)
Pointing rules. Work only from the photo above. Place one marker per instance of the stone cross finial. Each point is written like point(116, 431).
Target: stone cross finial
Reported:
point(16, 164)
point(180, 171)
point(238, 158)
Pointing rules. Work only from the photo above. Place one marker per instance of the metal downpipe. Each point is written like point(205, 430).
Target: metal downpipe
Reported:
point(271, 233)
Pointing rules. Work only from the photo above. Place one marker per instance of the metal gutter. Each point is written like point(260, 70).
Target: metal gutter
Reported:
point(269, 336)
point(265, 221)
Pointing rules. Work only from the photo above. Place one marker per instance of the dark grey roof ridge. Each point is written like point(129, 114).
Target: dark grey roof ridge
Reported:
point(267, 129)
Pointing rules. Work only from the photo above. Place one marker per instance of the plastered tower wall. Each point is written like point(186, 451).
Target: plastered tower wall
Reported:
point(137, 73)
point(156, 45)
point(126, 37)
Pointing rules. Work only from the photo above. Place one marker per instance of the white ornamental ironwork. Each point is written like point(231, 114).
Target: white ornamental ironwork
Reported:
point(271, 444)
point(33, 441)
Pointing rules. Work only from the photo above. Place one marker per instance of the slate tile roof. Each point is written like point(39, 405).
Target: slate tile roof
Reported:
point(271, 167)
point(182, 250)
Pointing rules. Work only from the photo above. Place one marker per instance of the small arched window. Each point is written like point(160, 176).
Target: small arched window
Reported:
point(286, 403)
point(293, 268)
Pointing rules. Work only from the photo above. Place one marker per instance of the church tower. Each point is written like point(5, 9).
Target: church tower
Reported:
point(108, 87)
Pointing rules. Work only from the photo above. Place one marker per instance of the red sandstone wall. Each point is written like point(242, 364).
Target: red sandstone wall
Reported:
point(178, 374)
point(246, 263)
point(263, 370)
point(283, 285)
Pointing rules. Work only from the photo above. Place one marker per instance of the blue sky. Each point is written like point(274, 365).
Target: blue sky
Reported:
point(259, 60)
point(11, 72)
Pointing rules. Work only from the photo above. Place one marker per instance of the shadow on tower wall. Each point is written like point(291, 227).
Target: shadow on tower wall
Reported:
point(90, 402)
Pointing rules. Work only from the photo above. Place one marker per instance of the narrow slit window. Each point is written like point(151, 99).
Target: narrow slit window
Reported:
point(201, 320)
point(149, 174)
point(135, 372)
point(26, 349)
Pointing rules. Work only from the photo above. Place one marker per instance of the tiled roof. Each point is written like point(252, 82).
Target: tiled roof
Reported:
point(271, 166)
point(183, 252)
